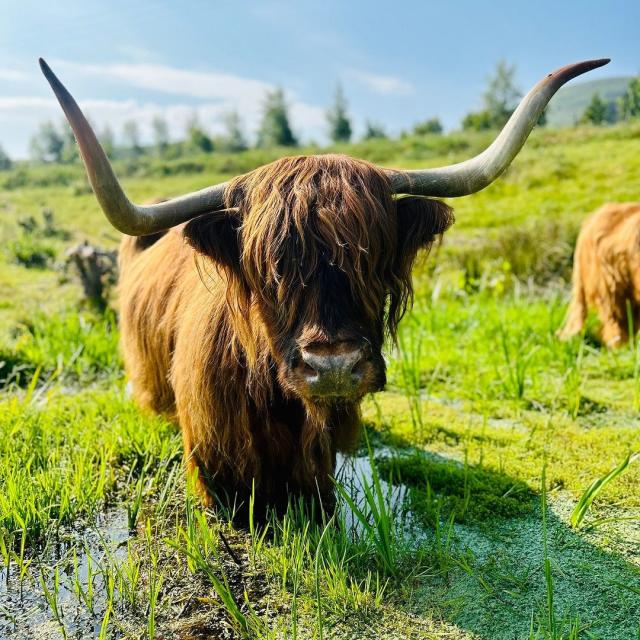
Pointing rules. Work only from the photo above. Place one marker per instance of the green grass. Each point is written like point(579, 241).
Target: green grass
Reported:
point(501, 439)
point(65, 455)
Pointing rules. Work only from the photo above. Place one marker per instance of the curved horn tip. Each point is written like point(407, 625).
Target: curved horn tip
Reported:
point(52, 79)
point(598, 62)
point(44, 67)
point(578, 68)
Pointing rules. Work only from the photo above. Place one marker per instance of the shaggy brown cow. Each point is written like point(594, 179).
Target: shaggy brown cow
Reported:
point(255, 311)
point(606, 273)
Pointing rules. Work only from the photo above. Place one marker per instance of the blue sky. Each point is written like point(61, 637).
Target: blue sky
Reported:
point(399, 62)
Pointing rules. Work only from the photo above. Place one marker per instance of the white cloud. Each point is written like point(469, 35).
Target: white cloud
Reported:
point(385, 85)
point(33, 110)
point(174, 81)
point(12, 75)
point(134, 52)
point(208, 95)
point(228, 91)
point(18, 103)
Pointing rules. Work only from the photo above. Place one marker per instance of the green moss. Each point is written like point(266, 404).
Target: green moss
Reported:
point(448, 488)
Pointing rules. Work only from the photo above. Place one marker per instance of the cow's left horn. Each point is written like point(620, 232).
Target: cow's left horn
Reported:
point(125, 216)
point(477, 173)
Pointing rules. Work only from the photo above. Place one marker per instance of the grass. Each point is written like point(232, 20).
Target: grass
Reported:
point(472, 513)
point(595, 488)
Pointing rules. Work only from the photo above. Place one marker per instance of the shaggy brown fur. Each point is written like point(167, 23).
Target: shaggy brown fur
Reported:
point(606, 272)
point(311, 249)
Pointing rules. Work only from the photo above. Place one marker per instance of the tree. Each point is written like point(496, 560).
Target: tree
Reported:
point(629, 104)
point(275, 130)
point(596, 111)
point(107, 140)
point(197, 138)
point(233, 139)
point(501, 95)
point(47, 144)
point(542, 120)
point(160, 134)
point(339, 124)
point(431, 125)
point(477, 121)
point(499, 99)
point(373, 131)
point(5, 160)
point(69, 151)
point(131, 136)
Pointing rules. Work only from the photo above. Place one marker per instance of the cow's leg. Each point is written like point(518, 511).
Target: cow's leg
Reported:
point(613, 333)
point(577, 313)
point(612, 314)
point(145, 365)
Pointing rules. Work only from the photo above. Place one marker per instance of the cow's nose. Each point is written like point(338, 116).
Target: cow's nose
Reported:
point(333, 370)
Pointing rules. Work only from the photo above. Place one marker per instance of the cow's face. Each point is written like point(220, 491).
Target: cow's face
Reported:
point(320, 253)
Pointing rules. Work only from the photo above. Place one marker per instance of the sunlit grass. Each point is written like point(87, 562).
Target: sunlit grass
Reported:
point(481, 398)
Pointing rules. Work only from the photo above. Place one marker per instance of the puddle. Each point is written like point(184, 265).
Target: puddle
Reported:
point(24, 611)
point(355, 473)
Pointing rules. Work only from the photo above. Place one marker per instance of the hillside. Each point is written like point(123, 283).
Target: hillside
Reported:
point(567, 106)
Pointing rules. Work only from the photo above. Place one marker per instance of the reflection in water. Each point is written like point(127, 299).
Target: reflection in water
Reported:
point(355, 472)
point(24, 612)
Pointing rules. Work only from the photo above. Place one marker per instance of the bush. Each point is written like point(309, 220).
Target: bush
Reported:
point(536, 252)
point(31, 252)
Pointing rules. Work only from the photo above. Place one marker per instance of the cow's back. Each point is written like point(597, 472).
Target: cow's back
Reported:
point(609, 248)
point(155, 285)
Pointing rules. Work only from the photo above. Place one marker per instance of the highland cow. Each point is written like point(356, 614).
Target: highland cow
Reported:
point(606, 273)
point(255, 311)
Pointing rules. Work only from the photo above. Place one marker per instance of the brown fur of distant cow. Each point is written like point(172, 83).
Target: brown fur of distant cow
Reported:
point(606, 272)
point(311, 250)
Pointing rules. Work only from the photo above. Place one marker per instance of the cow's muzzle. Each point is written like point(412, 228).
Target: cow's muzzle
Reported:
point(336, 370)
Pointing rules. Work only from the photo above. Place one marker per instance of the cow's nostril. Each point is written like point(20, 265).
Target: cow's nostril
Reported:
point(332, 369)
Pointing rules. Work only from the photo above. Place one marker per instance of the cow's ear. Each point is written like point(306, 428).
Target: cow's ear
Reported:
point(215, 235)
point(420, 222)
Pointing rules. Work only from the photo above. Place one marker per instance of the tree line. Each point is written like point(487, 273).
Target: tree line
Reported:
point(56, 144)
point(601, 111)
point(502, 95)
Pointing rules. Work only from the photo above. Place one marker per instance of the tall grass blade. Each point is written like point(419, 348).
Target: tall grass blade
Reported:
point(591, 493)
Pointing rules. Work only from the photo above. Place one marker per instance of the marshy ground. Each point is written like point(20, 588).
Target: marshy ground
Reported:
point(465, 513)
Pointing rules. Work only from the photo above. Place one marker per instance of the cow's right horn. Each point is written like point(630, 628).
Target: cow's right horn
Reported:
point(479, 172)
point(125, 216)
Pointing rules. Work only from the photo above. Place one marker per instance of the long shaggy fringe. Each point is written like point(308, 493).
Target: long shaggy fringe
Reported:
point(298, 211)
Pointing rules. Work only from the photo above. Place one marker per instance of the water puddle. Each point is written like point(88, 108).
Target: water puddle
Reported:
point(88, 561)
point(82, 558)
point(357, 477)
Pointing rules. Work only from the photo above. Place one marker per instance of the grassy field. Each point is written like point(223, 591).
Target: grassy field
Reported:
point(471, 509)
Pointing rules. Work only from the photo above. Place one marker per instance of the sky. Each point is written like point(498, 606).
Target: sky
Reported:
point(398, 62)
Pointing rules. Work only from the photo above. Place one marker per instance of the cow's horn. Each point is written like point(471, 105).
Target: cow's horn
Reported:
point(477, 173)
point(122, 213)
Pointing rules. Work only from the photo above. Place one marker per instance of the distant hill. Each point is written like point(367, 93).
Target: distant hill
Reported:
point(570, 102)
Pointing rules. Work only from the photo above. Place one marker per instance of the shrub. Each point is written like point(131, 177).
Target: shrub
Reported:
point(31, 252)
